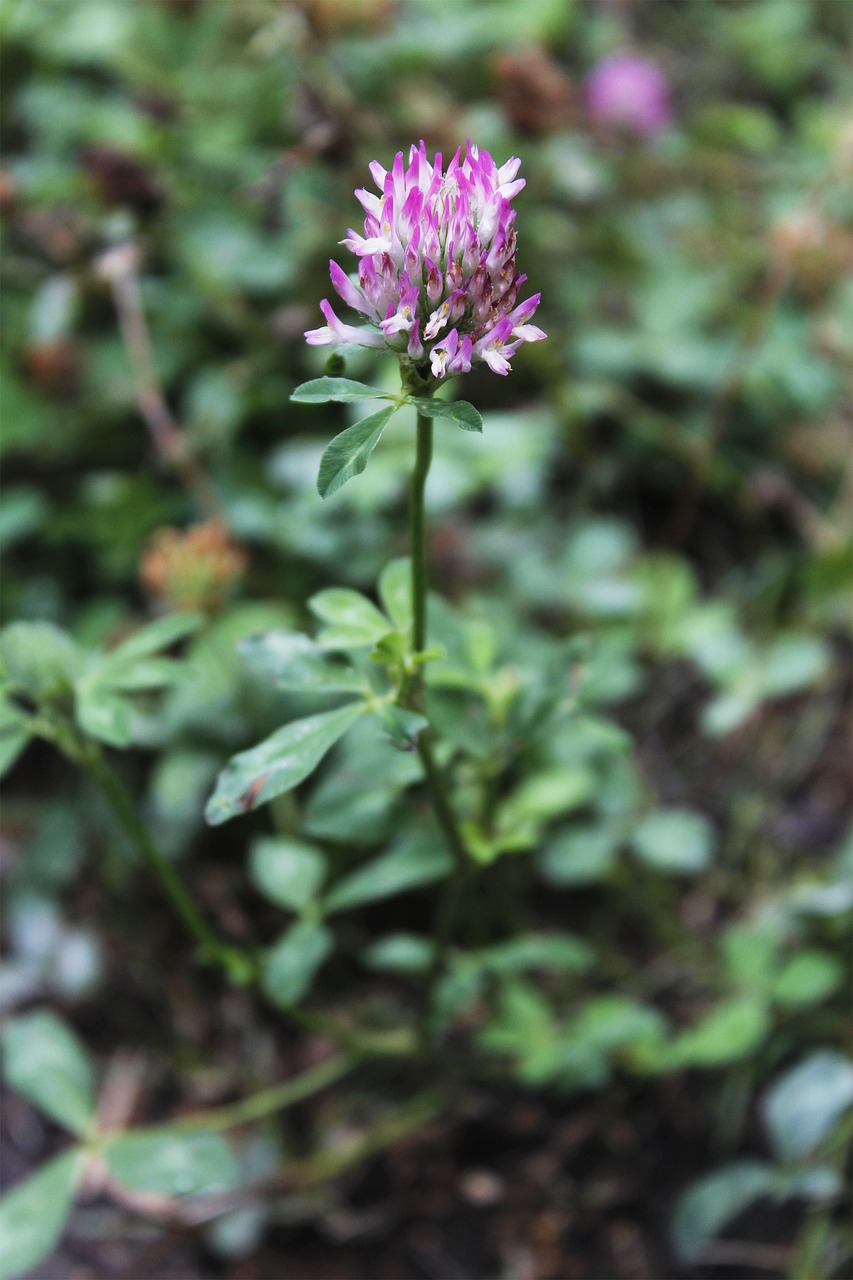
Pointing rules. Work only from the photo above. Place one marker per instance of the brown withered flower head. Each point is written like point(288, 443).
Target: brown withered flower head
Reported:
point(194, 568)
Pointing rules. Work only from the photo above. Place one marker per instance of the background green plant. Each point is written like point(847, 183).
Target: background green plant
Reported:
point(642, 574)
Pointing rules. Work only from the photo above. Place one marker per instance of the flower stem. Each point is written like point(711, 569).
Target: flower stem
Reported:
point(239, 966)
point(433, 775)
point(417, 540)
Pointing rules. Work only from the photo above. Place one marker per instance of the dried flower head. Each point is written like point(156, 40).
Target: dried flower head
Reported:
point(195, 568)
point(437, 280)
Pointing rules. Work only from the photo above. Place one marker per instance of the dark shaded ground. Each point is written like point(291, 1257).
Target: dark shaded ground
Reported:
point(521, 1186)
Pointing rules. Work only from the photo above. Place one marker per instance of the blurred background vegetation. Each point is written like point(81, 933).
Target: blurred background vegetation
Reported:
point(668, 476)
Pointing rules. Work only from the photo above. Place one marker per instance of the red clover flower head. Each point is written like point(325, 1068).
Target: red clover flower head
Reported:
point(437, 281)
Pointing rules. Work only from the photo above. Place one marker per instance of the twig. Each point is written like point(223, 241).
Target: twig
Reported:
point(120, 266)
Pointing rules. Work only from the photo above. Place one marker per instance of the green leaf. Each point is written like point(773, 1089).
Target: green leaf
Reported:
point(581, 855)
point(400, 953)
point(171, 1162)
point(612, 1022)
point(801, 1108)
point(348, 453)
point(23, 512)
point(288, 872)
point(418, 862)
point(160, 634)
point(552, 952)
point(730, 1032)
point(750, 953)
point(676, 840)
point(353, 621)
point(793, 662)
point(103, 715)
point(290, 965)
point(460, 412)
point(355, 801)
point(728, 712)
point(395, 592)
point(547, 795)
point(14, 733)
point(290, 660)
point(33, 1214)
point(322, 390)
point(137, 675)
point(39, 659)
point(277, 764)
point(820, 1182)
point(401, 726)
point(807, 979)
point(525, 1030)
point(44, 1061)
point(715, 1201)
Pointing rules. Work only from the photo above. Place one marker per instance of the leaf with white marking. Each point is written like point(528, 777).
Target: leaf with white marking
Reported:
point(277, 764)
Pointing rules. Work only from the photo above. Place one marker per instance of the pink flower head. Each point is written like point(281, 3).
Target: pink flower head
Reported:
point(436, 280)
point(630, 92)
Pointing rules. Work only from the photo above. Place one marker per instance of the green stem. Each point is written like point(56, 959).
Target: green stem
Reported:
point(413, 1115)
point(434, 778)
point(811, 1248)
point(441, 803)
point(268, 1101)
point(417, 540)
point(383, 1044)
point(239, 966)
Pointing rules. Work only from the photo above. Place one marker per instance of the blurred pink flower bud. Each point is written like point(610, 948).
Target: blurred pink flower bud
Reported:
point(630, 92)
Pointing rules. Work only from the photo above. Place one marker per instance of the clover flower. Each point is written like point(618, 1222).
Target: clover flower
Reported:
point(630, 92)
point(437, 281)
